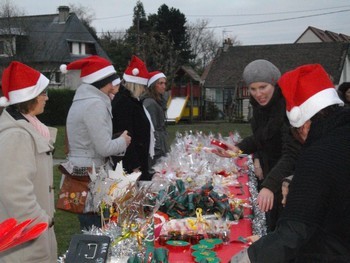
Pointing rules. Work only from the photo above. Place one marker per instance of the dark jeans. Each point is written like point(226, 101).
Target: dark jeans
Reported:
point(89, 220)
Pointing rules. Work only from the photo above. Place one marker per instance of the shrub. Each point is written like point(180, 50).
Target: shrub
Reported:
point(57, 107)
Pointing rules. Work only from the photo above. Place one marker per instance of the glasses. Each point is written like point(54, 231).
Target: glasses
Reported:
point(44, 92)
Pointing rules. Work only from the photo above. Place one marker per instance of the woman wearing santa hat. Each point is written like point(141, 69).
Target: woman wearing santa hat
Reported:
point(129, 114)
point(156, 106)
point(89, 122)
point(26, 145)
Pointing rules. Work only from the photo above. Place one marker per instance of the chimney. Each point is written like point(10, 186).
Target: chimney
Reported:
point(63, 13)
point(227, 44)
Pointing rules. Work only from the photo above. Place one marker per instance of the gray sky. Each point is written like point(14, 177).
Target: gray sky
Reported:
point(248, 20)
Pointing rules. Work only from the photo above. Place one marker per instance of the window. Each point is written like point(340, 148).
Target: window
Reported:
point(7, 47)
point(81, 48)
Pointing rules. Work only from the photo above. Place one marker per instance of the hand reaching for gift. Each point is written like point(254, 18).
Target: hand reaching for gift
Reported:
point(225, 149)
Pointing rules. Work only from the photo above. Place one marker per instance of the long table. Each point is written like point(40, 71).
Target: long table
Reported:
point(242, 228)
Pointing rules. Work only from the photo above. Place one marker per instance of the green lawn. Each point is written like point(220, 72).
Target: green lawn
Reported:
point(67, 224)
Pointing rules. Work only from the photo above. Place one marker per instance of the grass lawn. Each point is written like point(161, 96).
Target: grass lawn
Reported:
point(67, 224)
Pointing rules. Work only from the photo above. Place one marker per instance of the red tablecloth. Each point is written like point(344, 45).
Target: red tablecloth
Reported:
point(242, 228)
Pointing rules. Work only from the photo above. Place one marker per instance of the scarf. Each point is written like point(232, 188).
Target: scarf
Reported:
point(38, 125)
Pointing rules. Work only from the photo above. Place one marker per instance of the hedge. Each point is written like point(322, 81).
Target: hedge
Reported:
point(57, 107)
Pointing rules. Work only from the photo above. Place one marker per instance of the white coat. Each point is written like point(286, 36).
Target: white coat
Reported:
point(26, 181)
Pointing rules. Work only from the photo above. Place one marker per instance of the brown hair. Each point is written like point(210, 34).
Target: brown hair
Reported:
point(153, 93)
point(26, 106)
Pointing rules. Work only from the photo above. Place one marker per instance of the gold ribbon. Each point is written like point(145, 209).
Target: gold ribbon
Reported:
point(199, 220)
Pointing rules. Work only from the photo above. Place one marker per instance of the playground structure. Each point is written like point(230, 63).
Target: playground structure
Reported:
point(184, 101)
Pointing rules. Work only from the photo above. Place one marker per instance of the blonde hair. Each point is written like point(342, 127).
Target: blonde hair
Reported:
point(135, 89)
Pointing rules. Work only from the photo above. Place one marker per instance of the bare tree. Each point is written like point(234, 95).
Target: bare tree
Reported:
point(9, 9)
point(86, 16)
point(204, 43)
point(9, 26)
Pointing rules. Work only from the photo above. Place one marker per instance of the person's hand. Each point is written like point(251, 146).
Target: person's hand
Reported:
point(253, 238)
point(285, 191)
point(126, 137)
point(285, 188)
point(231, 152)
point(221, 152)
point(265, 199)
point(258, 170)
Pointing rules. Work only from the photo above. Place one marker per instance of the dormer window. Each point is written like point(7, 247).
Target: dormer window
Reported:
point(6, 48)
point(81, 48)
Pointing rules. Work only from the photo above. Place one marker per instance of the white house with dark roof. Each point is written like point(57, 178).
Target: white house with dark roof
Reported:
point(44, 42)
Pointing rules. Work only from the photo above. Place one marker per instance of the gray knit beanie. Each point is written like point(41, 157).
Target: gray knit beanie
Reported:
point(261, 70)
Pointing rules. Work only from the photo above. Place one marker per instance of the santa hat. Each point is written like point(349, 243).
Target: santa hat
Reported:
point(116, 82)
point(93, 68)
point(136, 72)
point(154, 76)
point(307, 90)
point(21, 83)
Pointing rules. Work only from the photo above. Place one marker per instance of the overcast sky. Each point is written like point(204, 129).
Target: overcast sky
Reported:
point(253, 22)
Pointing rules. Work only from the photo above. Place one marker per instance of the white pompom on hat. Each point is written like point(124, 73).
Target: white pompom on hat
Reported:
point(307, 90)
point(154, 76)
point(136, 72)
point(21, 83)
point(92, 69)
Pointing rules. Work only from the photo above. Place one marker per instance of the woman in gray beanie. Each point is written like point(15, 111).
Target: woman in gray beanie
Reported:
point(270, 137)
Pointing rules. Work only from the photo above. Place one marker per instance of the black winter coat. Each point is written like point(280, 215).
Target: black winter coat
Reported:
point(128, 114)
point(315, 224)
point(271, 141)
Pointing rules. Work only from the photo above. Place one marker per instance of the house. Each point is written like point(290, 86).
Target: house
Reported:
point(44, 42)
point(313, 34)
point(223, 84)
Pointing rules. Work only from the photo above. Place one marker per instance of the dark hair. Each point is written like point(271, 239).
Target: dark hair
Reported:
point(344, 87)
point(325, 113)
point(26, 106)
point(342, 90)
point(103, 82)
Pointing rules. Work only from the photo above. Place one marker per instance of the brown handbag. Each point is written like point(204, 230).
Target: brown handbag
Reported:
point(73, 193)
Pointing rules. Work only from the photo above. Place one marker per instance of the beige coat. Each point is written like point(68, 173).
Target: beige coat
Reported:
point(26, 177)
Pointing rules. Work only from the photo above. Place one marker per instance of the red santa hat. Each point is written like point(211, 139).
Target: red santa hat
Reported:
point(21, 83)
point(154, 76)
point(92, 69)
point(136, 72)
point(307, 90)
